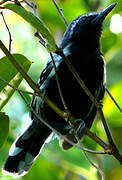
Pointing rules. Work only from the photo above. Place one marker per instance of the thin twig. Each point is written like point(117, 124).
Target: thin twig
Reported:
point(13, 87)
point(107, 90)
point(35, 87)
point(58, 85)
point(56, 132)
point(77, 77)
point(97, 139)
point(64, 137)
point(91, 163)
point(60, 11)
point(41, 40)
point(31, 83)
point(87, 132)
point(113, 148)
point(10, 37)
point(94, 165)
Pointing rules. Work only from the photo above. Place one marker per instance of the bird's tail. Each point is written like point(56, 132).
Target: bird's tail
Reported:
point(25, 149)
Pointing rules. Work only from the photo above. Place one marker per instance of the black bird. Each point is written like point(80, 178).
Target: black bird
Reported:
point(81, 46)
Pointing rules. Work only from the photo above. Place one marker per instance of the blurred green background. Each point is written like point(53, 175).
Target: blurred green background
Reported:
point(54, 163)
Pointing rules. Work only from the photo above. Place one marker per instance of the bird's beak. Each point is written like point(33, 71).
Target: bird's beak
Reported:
point(102, 15)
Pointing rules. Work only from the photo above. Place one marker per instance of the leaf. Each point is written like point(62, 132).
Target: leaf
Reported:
point(36, 23)
point(4, 128)
point(11, 75)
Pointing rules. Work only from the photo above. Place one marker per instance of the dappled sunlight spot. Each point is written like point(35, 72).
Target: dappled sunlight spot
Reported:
point(116, 24)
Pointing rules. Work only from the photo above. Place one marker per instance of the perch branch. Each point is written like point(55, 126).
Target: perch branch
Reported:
point(37, 90)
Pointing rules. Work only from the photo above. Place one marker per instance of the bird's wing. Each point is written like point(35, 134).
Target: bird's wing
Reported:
point(49, 71)
point(45, 77)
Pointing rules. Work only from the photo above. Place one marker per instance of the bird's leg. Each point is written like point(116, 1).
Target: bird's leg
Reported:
point(73, 132)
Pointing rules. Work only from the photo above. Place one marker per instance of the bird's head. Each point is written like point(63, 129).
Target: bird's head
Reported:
point(85, 27)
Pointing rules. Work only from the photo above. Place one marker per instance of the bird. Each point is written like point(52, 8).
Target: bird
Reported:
point(81, 46)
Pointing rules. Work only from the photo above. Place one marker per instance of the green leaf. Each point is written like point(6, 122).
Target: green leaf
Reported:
point(36, 23)
point(9, 73)
point(4, 128)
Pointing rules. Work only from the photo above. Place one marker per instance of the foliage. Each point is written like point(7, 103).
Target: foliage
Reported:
point(54, 163)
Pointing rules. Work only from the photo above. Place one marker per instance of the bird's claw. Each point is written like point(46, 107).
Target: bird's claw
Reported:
point(76, 127)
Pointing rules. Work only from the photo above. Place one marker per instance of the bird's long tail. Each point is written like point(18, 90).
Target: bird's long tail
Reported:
point(25, 149)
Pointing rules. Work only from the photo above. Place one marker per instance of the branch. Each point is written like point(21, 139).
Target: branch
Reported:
point(87, 131)
point(60, 11)
point(94, 137)
point(10, 38)
point(113, 148)
point(50, 103)
point(59, 87)
point(31, 83)
point(107, 90)
point(18, 90)
point(58, 133)
point(77, 77)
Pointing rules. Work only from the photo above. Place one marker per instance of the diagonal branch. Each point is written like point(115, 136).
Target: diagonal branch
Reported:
point(10, 38)
point(113, 149)
point(59, 87)
point(13, 87)
point(60, 11)
point(77, 77)
point(63, 136)
point(37, 90)
point(107, 90)
point(31, 83)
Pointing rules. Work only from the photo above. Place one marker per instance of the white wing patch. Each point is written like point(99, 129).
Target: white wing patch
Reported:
point(14, 150)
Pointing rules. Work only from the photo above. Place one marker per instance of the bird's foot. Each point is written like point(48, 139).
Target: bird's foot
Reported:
point(76, 127)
